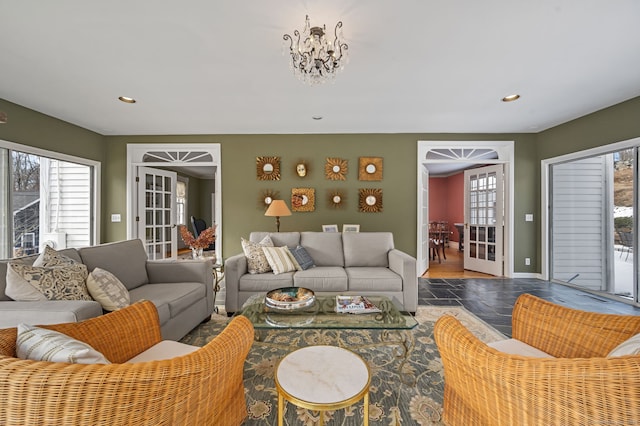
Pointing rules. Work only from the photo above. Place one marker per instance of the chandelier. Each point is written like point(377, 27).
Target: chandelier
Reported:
point(314, 58)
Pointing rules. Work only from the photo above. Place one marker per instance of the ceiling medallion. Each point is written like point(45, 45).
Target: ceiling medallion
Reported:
point(314, 58)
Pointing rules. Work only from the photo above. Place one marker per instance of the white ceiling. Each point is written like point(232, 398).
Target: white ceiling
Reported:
point(216, 67)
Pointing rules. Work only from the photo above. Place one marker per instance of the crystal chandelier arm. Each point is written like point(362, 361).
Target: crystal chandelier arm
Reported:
point(337, 41)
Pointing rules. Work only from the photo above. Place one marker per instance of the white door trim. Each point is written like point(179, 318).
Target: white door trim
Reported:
point(135, 155)
point(505, 150)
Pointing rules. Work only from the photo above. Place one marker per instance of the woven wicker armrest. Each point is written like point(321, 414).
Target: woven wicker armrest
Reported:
point(204, 387)
point(569, 333)
point(486, 387)
point(118, 335)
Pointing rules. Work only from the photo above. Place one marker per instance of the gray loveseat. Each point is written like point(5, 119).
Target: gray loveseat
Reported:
point(364, 263)
point(181, 290)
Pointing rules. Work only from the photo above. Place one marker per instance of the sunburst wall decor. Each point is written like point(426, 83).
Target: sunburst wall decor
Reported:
point(268, 168)
point(335, 169)
point(336, 198)
point(370, 200)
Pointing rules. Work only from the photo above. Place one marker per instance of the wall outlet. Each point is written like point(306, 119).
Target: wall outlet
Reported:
point(527, 261)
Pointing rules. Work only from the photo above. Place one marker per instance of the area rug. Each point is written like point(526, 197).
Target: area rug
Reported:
point(407, 382)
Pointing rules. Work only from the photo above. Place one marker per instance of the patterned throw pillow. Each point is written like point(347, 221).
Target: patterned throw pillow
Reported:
point(57, 283)
point(631, 346)
point(50, 257)
point(256, 260)
point(302, 257)
point(108, 290)
point(279, 259)
point(40, 344)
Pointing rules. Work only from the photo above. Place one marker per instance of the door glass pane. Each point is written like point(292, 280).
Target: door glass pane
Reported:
point(592, 222)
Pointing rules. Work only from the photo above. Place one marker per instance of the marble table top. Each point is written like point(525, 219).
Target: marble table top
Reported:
point(323, 374)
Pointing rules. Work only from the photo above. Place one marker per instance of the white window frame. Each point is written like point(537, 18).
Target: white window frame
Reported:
point(545, 192)
point(96, 165)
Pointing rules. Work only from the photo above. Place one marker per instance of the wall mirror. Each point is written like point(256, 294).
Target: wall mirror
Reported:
point(370, 200)
point(335, 169)
point(370, 168)
point(268, 168)
point(336, 198)
point(303, 199)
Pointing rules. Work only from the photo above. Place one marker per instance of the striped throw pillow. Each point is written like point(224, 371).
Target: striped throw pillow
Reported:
point(40, 344)
point(279, 259)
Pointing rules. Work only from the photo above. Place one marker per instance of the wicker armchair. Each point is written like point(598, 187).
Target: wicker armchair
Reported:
point(202, 388)
point(581, 387)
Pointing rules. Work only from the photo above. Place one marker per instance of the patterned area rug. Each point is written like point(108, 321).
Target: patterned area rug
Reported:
point(407, 381)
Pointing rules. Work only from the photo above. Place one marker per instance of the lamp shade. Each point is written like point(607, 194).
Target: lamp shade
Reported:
point(278, 208)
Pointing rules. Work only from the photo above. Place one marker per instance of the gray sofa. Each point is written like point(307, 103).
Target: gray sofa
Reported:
point(181, 290)
point(364, 263)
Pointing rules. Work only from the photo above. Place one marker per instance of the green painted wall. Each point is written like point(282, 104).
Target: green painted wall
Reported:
point(614, 124)
point(29, 127)
point(241, 189)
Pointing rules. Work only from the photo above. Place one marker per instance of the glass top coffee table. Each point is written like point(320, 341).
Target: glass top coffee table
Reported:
point(322, 314)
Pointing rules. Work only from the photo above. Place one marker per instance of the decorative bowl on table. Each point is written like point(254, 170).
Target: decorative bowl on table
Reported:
point(289, 298)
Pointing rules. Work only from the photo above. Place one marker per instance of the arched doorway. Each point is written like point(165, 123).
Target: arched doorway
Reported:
point(187, 158)
point(462, 154)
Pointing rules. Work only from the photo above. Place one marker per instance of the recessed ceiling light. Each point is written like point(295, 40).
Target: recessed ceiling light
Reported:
point(511, 98)
point(317, 117)
point(127, 99)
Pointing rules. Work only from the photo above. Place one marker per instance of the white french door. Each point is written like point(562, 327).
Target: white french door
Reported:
point(484, 219)
point(156, 216)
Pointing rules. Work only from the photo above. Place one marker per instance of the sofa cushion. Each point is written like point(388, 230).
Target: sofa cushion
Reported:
point(373, 278)
point(367, 248)
point(41, 344)
point(124, 259)
point(280, 259)
point(48, 312)
point(322, 278)
point(106, 289)
point(517, 347)
point(302, 257)
point(631, 346)
point(166, 349)
point(279, 239)
point(256, 260)
point(325, 248)
point(265, 282)
point(170, 299)
point(55, 283)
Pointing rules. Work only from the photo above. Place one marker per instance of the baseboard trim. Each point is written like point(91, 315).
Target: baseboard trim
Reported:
point(527, 275)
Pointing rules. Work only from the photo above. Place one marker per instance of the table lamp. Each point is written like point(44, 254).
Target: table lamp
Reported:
point(278, 208)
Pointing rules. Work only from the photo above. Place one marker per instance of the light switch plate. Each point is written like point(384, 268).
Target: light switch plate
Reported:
point(528, 217)
point(116, 217)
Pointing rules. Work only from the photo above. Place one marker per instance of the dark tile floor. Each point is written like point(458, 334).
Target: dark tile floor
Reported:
point(492, 299)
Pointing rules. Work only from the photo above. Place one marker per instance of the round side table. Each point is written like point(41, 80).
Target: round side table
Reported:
point(322, 378)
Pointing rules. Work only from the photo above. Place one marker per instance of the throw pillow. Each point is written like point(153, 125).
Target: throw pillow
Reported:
point(50, 257)
point(18, 288)
point(40, 344)
point(279, 259)
point(302, 257)
point(57, 283)
point(108, 290)
point(631, 346)
point(256, 260)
